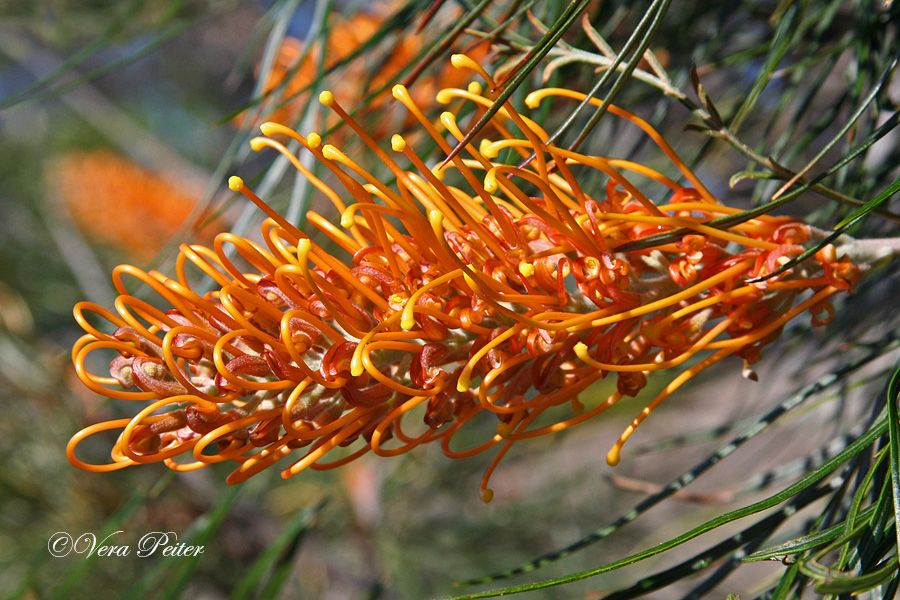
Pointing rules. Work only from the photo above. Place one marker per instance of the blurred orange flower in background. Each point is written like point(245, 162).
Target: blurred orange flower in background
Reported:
point(117, 202)
point(360, 77)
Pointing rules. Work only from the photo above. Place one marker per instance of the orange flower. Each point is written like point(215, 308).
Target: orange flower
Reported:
point(375, 68)
point(140, 210)
point(502, 296)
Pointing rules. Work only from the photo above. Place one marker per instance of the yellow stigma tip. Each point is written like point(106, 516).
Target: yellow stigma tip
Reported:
point(235, 183)
point(347, 220)
point(313, 140)
point(407, 322)
point(463, 384)
point(487, 495)
point(526, 269)
point(490, 183)
point(326, 98)
point(268, 128)
point(439, 173)
point(356, 366)
point(613, 458)
point(399, 92)
point(436, 219)
point(581, 350)
point(258, 143)
point(532, 100)
point(330, 152)
point(475, 88)
point(444, 96)
point(448, 120)
point(460, 60)
point(398, 144)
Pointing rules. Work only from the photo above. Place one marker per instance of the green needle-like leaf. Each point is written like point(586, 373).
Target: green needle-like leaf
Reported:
point(809, 480)
point(814, 540)
point(75, 577)
point(176, 571)
point(842, 227)
point(781, 45)
point(893, 394)
point(275, 552)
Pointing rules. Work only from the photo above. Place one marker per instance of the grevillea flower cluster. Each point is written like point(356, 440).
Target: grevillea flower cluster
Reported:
point(502, 297)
